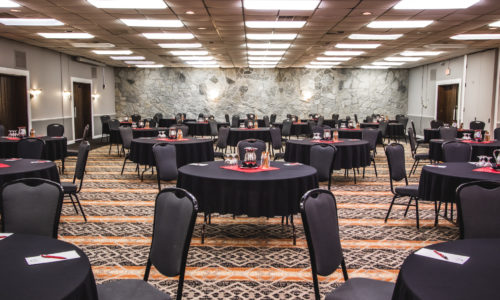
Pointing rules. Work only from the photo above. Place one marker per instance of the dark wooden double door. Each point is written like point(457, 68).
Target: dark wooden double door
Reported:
point(83, 108)
point(13, 102)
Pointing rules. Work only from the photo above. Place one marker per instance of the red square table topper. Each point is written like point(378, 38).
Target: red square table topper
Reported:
point(487, 170)
point(248, 170)
point(4, 165)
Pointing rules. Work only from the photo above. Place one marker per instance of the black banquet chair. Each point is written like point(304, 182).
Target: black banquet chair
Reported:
point(55, 130)
point(72, 189)
point(273, 118)
point(371, 135)
point(318, 209)
point(226, 117)
point(455, 151)
point(477, 125)
point(166, 162)
point(221, 143)
point(447, 133)
point(496, 134)
point(136, 118)
point(259, 144)
point(267, 123)
point(213, 128)
point(478, 208)
point(286, 129)
point(2, 130)
point(235, 121)
point(31, 206)
point(276, 144)
point(174, 209)
point(417, 157)
point(436, 124)
point(127, 136)
point(104, 125)
point(30, 148)
point(321, 157)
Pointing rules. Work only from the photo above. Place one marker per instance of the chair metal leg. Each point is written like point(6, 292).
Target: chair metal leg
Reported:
point(412, 168)
point(408, 206)
point(293, 231)
point(330, 181)
point(124, 162)
point(375, 168)
point(73, 202)
point(81, 209)
point(390, 208)
point(416, 211)
point(364, 172)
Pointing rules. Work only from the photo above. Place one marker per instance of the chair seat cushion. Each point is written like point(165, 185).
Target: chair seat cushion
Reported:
point(68, 187)
point(362, 289)
point(129, 289)
point(421, 156)
point(407, 190)
point(71, 153)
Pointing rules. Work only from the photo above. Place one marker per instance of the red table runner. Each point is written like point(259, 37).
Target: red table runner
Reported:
point(327, 142)
point(245, 170)
point(487, 170)
point(13, 138)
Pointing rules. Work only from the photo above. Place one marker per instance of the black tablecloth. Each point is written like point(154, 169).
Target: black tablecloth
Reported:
point(426, 278)
point(166, 122)
point(350, 153)
point(433, 133)
point(115, 138)
point(269, 194)
point(436, 150)
point(441, 183)
point(202, 128)
point(55, 148)
point(239, 134)
point(23, 168)
point(297, 128)
point(192, 150)
point(69, 279)
point(395, 130)
point(346, 133)
point(369, 125)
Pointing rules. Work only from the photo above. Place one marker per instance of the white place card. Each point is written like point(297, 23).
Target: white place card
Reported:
point(35, 260)
point(444, 256)
point(40, 161)
point(292, 164)
point(198, 164)
point(4, 235)
point(436, 166)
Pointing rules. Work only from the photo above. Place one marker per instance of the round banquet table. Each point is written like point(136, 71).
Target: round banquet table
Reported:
point(68, 279)
point(239, 134)
point(262, 194)
point(16, 168)
point(478, 148)
point(426, 278)
point(433, 133)
point(55, 147)
point(395, 130)
point(298, 128)
point(351, 153)
point(115, 137)
point(201, 128)
point(187, 151)
point(440, 184)
point(369, 125)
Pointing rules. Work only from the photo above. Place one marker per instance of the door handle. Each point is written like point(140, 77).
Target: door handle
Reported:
point(74, 113)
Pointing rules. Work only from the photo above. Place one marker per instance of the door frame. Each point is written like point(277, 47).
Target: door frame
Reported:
point(25, 73)
point(87, 81)
point(460, 96)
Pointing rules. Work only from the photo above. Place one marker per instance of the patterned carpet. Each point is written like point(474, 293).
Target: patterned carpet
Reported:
point(243, 258)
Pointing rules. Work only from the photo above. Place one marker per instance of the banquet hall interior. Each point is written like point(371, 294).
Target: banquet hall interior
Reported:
point(249, 149)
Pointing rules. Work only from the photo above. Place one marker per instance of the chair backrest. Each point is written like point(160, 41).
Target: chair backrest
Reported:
point(81, 161)
point(477, 125)
point(226, 116)
point(356, 118)
point(436, 124)
point(259, 144)
point(382, 126)
point(114, 124)
point(267, 123)
point(273, 118)
point(414, 131)
point(200, 115)
point(447, 133)
point(251, 116)
point(286, 129)
point(403, 120)
point(370, 135)
point(105, 118)
point(335, 117)
point(369, 119)
point(478, 207)
point(321, 157)
point(275, 138)
point(213, 127)
point(178, 118)
point(413, 141)
point(496, 133)
point(30, 148)
point(157, 117)
point(55, 130)
point(396, 161)
point(85, 135)
point(136, 118)
point(2, 130)
point(222, 138)
point(455, 151)
point(235, 121)
point(31, 206)
point(127, 136)
point(321, 120)
point(152, 123)
point(166, 161)
point(174, 219)
point(348, 118)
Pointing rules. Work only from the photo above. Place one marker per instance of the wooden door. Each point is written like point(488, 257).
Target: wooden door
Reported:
point(447, 103)
point(13, 102)
point(82, 108)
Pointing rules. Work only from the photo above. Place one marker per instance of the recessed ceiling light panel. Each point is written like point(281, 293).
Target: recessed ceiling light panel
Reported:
point(92, 45)
point(332, 58)
point(387, 63)
point(257, 62)
point(433, 4)
point(375, 67)
point(275, 24)
point(375, 37)
point(112, 52)
point(189, 52)
point(268, 46)
point(152, 23)
point(268, 58)
point(343, 53)
point(479, 36)
point(201, 62)
point(357, 46)
point(495, 24)
point(420, 53)
point(127, 57)
point(8, 3)
point(30, 22)
point(129, 4)
point(180, 45)
point(66, 35)
point(281, 4)
point(140, 62)
point(263, 53)
point(262, 66)
point(271, 36)
point(168, 36)
point(196, 57)
point(329, 63)
point(399, 24)
point(395, 58)
point(149, 66)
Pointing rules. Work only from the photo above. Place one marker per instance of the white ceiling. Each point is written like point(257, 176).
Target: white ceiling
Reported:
point(224, 35)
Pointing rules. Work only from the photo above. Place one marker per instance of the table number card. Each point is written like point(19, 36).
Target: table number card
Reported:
point(5, 235)
point(53, 257)
point(444, 256)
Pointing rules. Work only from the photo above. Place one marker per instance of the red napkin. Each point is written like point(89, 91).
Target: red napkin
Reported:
point(4, 166)
point(327, 142)
point(244, 170)
point(349, 129)
point(171, 140)
point(475, 142)
point(487, 170)
point(13, 138)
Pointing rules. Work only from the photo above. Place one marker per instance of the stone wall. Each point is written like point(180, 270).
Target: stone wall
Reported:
point(260, 91)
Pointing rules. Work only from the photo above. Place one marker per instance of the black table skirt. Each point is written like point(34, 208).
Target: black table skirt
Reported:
point(55, 148)
point(350, 154)
point(239, 134)
point(24, 168)
point(202, 129)
point(436, 150)
point(70, 279)
point(356, 134)
point(395, 130)
point(297, 128)
point(426, 278)
point(264, 194)
point(440, 184)
point(369, 125)
point(433, 133)
point(193, 150)
point(115, 138)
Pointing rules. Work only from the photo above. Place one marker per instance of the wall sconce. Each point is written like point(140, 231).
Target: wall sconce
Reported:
point(35, 92)
point(95, 96)
point(212, 94)
point(66, 94)
point(306, 95)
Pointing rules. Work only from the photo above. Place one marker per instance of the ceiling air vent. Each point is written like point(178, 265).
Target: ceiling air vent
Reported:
point(93, 71)
point(20, 58)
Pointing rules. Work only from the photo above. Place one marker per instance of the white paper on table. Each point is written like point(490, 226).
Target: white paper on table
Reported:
point(453, 258)
point(4, 235)
point(198, 164)
point(35, 260)
point(292, 164)
point(436, 166)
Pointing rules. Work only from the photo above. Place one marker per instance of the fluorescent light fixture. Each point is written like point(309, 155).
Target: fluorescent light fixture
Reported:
point(263, 62)
point(445, 46)
point(375, 67)
point(92, 45)
point(112, 52)
point(420, 53)
point(281, 4)
point(152, 23)
point(268, 58)
point(201, 62)
point(478, 36)
point(181, 45)
point(319, 66)
point(375, 36)
point(399, 24)
point(433, 4)
point(344, 53)
point(139, 62)
point(129, 4)
point(357, 46)
point(66, 35)
point(149, 66)
point(205, 66)
point(8, 3)
point(30, 22)
point(190, 52)
point(268, 46)
point(262, 66)
point(271, 36)
point(127, 57)
point(333, 58)
point(196, 57)
point(257, 52)
point(275, 24)
point(387, 63)
point(168, 36)
point(328, 63)
point(495, 24)
point(395, 58)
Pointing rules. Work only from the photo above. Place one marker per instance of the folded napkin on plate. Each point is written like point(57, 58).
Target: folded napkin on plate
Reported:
point(54, 257)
